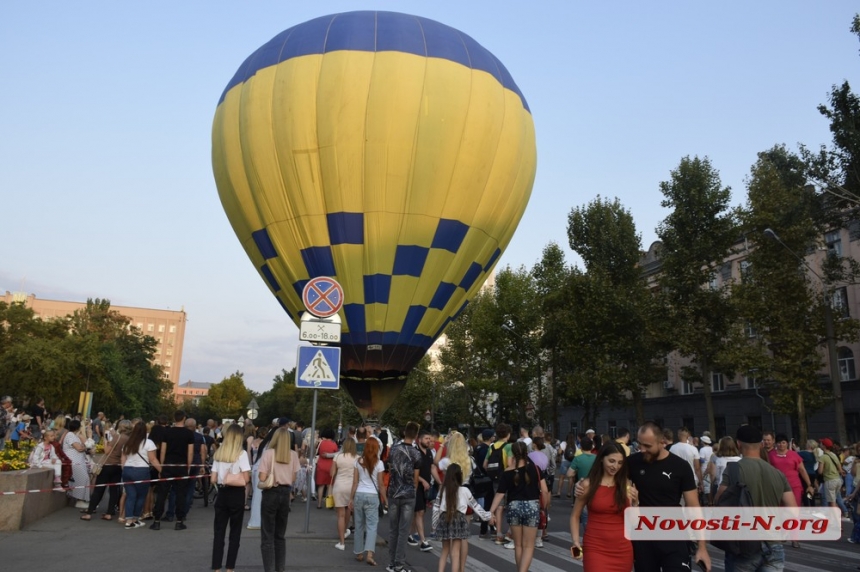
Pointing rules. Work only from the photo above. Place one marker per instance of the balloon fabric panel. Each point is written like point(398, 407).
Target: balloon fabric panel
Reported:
point(388, 151)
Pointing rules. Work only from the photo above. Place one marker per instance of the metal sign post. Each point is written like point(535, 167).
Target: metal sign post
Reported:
point(318, 366)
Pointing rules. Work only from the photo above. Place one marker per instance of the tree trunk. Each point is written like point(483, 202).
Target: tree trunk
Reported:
point(709, 400)
point(556, 428)
point(801, 417)
point(639, 404)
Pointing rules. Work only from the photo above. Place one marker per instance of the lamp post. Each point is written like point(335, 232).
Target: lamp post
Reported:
point(835, 378)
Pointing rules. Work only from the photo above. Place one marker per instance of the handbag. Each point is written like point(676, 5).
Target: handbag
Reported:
point(232, 479)
point(269, 482)
point(329, 501)
point(97, 468)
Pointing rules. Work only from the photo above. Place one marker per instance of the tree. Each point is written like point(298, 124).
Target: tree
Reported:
point(781, 302)
point(604, 318)
point(228, 398)
point(697, 236)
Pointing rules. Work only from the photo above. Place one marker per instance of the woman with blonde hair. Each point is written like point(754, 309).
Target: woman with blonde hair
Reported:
point(343, 475)
point(456, 450)
point(367, 492)
point(280, 459)
point(231, 471)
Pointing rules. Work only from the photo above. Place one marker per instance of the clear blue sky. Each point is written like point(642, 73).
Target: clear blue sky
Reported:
point(106, 111)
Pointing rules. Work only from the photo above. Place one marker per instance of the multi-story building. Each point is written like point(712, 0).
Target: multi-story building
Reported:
point(193, 390)
point(675, 402)
point(166, 326)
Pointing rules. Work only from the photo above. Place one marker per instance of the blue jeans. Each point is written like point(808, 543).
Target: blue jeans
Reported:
point(366, 508)
point(135, 495)
point(400, 513)
point(771, 559)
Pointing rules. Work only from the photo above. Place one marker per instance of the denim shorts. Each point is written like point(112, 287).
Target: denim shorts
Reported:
point(524, 513)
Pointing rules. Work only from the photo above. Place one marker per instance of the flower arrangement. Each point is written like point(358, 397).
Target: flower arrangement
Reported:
point(14, 460)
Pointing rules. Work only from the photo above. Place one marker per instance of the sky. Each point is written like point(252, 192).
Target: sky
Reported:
point(106, 186)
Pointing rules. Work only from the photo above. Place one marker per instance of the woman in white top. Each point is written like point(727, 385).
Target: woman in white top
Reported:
point(727, 452)
point(138, 454)
point(367, 491)
point(343, 474)
point(450, 521)
point(73, 447)
point(283, 462)
point(231, 471)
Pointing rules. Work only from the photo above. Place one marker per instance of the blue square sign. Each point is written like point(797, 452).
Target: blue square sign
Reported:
point(318, 367)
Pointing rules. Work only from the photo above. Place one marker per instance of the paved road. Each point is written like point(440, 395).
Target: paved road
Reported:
point(62, 542)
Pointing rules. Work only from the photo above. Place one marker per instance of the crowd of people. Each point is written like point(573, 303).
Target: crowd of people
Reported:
point(505, 479)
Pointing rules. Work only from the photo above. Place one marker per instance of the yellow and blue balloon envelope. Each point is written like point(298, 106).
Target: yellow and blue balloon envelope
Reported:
point(388, 151)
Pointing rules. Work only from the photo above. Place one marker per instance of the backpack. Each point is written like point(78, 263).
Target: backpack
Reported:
point(736, 495)
point(570, 452)
point(495, 462)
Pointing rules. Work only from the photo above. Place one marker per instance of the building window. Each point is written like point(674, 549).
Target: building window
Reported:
point(687, 387)
point(746, 270)
point(574, 428)
point(150, 328)
point(847, 371)
point(168, 363)
point(712, 281)
point(720, 425)
point(834, 243)
point(169, 352)
point(839, 303)
point(172, 329)
point(689, 423)
point(718, 383)
point(754, 420)
point(161, 328)
point(613, 428)
point(750, 381)
point(140, 326)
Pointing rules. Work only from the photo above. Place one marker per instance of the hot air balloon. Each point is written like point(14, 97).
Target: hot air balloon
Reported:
point(388, 151)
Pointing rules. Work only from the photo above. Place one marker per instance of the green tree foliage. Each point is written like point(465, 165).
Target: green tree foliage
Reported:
point(94, 349)
point(603, 318)
point(697, 236)
point(227, 399)
point(778, 337)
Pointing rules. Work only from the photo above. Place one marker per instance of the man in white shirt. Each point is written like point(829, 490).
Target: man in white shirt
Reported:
point(689, 453)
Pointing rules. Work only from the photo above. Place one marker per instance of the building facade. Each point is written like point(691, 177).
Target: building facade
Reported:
point(166, 326)
point(193, 390)
point(675, 402)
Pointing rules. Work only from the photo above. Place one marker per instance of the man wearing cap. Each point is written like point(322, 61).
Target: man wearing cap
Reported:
point(767, 486)
point(829, 469)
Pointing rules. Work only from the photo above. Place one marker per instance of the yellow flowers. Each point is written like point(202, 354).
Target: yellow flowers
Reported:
point(12, 460)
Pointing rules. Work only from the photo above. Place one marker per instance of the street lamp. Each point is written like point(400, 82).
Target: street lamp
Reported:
point(835, 378)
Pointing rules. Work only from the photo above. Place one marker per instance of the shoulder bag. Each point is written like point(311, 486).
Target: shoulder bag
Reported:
point(269, 483)
point(97, 468)
point(232, 479)
point(379, 496)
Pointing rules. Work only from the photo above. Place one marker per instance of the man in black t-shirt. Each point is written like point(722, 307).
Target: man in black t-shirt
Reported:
point(177, 456)
point(662, 479)
point(37, 419)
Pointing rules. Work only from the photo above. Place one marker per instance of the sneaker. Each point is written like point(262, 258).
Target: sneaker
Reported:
point(180, 526)
point(390, 568)
point(130, 525)
point(155, 526)
point(412, 540)
point(852, 541)
point(249, 527)
point(538, 543)
point(426, 547)
point(340, 546)
point(510, 545)
point(347, 533)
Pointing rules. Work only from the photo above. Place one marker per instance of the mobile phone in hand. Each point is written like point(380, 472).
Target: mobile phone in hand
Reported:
point(701, 565)
point(576, 552)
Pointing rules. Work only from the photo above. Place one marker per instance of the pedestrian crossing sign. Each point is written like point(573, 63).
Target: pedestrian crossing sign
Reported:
point(318, 367)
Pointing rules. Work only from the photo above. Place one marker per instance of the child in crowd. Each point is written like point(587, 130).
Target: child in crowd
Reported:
point(450, 521)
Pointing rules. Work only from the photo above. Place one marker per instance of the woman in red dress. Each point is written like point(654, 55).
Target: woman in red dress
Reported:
point(326, 451)
point(604, 547)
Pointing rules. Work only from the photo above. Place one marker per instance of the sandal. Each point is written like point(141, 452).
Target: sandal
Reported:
point(107, 517)
point(371, 561)
point(360, 557)
point(86, 516)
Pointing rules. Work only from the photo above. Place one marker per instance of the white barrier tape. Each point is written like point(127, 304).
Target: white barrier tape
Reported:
point(117, 484)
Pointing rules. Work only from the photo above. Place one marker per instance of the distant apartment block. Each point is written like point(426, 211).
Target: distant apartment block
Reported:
point(192, 390)
point(166, 326)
